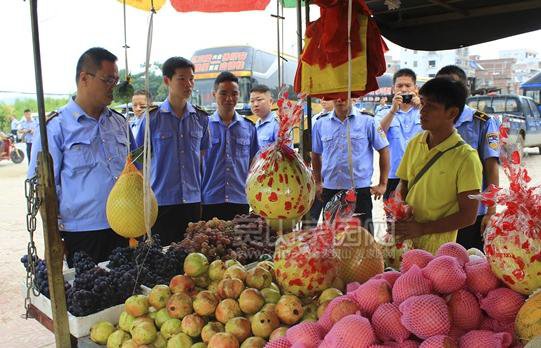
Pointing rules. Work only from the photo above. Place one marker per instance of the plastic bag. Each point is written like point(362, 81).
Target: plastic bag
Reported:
point(279, 184)
point(395, 209)
point(513, 237)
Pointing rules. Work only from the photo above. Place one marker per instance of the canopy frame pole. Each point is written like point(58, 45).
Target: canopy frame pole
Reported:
point(54, 250)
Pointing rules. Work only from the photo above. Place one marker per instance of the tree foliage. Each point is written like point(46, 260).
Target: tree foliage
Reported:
point(19, 105)
point(156, 86)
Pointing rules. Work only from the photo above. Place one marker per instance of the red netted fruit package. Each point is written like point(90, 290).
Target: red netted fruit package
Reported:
point(395, 209)
point(513, 237)
point(279, 184)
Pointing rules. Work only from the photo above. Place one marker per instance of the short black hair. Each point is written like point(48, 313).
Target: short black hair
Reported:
point(453, 70)
point(261, 89)
point(174, 63)
point(143, 92)
point(26, 110)
point(90, 61)
point(446, 91)
point(405, 72)
point(225, 76)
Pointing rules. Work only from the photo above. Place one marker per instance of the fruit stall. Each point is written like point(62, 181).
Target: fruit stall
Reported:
point(251, 282)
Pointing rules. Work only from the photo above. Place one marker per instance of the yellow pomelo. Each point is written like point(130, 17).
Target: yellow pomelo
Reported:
point(528, 320)
point(125, 204)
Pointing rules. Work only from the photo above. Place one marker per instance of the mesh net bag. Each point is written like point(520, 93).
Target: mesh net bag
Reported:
point(464, 309)
point(352, 287)
point(491, 324)
point(486, 339)
point(125, 204)
point(440, 341)
point(513, 236)
point(303, 345)
point(411, 283)
point(338, 308)
point(395, 210)
point(386, 323)
point(455, 250)
point(446, 274)
point(280, 342)
point(279, 184)
point(370, 295)
point(307, 333)
point(456, 332)
point(502, 304)
point(479, 278)
point(389, 276)
point(353, 331)
point(357, 255)
point(425, 316)
point(417, 257)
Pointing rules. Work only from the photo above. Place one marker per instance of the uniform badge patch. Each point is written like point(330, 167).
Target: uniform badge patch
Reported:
point(381, 132)
point(493, 140)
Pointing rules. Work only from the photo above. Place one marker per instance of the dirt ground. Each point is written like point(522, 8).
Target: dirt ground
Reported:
point(15, 331)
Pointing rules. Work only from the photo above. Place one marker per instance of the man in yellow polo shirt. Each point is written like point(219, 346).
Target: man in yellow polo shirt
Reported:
point(439, 170)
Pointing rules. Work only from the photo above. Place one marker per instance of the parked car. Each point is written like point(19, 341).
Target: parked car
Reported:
point(521, 112)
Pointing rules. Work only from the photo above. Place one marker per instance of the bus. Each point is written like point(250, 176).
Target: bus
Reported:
point(252, 66)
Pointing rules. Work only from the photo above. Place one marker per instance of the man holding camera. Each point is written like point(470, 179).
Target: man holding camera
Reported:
point(401, 121)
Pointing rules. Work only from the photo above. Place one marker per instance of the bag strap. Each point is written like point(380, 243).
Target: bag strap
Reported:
point(431, 163)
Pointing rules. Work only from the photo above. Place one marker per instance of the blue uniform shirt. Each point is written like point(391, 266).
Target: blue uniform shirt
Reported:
point(482, 135)
point(177, 143)
point(267, 130)
point(404, 126)
point(88, 156)
point(24, 124)
point(135, 124)
point(228, 160)
point(329, 141)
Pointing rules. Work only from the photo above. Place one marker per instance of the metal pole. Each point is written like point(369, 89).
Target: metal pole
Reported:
point(278, 53)
point(309, 99)
point(49, 208)
point(299, 49)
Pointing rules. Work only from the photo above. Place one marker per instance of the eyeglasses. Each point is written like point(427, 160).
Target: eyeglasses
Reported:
point(111, 81)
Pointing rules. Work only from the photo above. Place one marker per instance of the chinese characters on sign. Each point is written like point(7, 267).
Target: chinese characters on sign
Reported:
point(229, 61)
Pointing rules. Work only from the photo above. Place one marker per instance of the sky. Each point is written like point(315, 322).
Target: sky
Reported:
point(69, 27)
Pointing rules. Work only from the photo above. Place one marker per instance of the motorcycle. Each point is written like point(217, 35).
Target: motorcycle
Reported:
point(8, 151)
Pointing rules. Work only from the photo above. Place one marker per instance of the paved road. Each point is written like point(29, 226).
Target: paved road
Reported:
point(15, 332)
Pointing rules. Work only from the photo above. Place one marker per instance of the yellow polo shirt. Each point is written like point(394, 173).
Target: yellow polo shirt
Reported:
point(435, 194)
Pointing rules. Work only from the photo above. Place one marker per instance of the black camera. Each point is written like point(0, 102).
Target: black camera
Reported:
point(406, 98)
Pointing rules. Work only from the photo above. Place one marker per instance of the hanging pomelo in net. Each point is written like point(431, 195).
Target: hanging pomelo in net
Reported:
point(513, 237)
point(125, 204)
point(279, 184)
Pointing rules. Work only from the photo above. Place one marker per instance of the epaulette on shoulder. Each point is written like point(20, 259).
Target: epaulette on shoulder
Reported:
point(199, 108)
point(118, 113)
point(249, 121)
point(366, 112)
point(322, 114)
point(51, 115)
point(481, 116)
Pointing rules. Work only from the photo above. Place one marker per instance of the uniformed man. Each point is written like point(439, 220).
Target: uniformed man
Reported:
point(330, 160)
point(179, 135)
point(89, 144)
point(481, 131)
point(382, 104)
point(401, 121)
point(267, 126)
point(27, 127)
point(233, 145)
point(139, 102)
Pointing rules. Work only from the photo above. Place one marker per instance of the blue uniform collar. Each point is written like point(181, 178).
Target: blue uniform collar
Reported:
point(266, 119)
point(77, 112)
point(166, 108)
point(354, 112)
point(466, 116)
point(216, 118)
